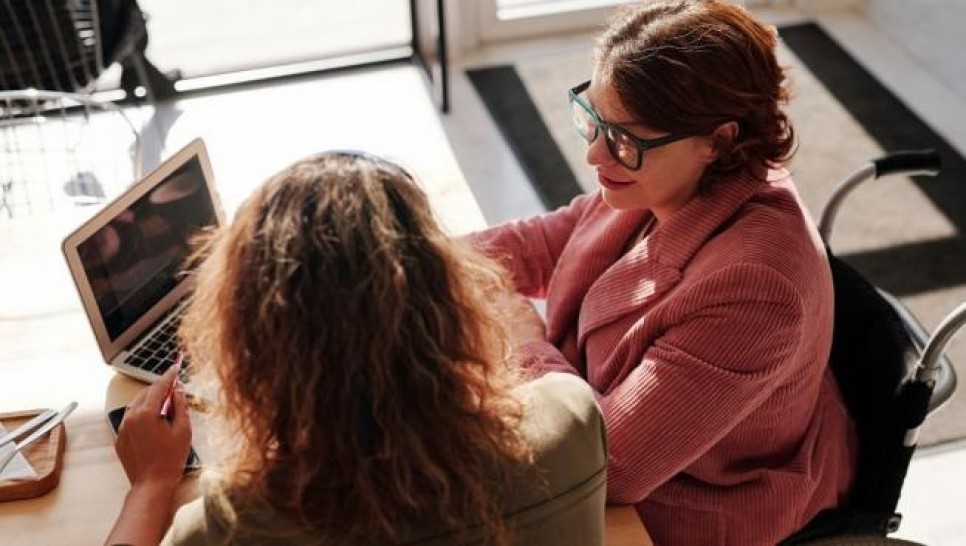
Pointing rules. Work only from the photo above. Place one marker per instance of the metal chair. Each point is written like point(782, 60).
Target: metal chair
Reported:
point(60, 150)
point(65, 45)
point(891, 373)
point(58, 144)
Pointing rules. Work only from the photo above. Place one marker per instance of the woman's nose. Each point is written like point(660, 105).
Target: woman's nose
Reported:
point(598, 154)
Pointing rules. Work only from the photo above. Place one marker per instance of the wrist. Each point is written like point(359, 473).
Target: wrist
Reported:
point(156, 489)
point(146, 513)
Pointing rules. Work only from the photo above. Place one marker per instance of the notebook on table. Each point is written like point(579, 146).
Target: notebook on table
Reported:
point(128, 261)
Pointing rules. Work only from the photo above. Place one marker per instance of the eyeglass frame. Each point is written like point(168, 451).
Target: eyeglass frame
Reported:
point(642, 144)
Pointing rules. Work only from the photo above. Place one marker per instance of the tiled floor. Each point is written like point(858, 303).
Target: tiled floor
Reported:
point(473, 175)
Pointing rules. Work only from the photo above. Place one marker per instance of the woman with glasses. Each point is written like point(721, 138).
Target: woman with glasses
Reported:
point(691, 291)
point(362, 386)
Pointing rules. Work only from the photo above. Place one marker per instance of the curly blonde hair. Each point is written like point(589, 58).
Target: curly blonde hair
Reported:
point(361, 367)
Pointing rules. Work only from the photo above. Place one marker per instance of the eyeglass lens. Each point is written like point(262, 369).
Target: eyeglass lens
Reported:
point(621, 146)
point(584, 121)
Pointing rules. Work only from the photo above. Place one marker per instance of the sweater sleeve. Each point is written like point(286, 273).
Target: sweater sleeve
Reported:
point(723, 356)
point(541, 357)
point(530, 248)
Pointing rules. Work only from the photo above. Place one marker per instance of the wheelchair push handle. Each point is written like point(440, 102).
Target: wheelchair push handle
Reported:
point(909, 162)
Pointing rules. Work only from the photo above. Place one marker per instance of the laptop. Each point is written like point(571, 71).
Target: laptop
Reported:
point(127, 261)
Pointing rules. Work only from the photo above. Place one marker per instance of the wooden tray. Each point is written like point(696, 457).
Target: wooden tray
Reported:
point(46, 455)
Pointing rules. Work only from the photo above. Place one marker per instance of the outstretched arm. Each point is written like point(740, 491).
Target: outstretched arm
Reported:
point(152, 450)
point(530, 248)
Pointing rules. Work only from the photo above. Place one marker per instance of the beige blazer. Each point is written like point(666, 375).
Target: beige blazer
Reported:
point(560, 505)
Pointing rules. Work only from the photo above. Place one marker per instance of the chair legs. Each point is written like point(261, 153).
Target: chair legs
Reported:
point(62, 150)
point(137, 70)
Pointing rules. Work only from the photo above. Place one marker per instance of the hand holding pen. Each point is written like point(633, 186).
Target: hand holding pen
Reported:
point(153, 449)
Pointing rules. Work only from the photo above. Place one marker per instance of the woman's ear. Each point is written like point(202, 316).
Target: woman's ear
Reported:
point(723, 139)
point(724, 136)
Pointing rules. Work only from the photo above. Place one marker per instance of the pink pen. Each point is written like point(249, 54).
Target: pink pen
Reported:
point(166, 406)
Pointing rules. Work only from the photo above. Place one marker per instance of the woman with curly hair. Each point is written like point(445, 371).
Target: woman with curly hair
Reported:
point(691, 291)
point(359, 362)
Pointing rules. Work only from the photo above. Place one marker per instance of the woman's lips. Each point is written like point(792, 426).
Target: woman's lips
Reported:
point(612, 184)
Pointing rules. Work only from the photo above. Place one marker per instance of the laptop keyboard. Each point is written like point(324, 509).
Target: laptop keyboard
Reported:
point(157, 351)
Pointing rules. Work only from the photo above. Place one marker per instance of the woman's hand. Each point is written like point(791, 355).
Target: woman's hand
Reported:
point(152, 448)
point(524, 324)
point(523, 321)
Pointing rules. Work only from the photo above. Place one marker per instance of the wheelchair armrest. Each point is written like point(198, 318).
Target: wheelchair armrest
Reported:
point(933, 363)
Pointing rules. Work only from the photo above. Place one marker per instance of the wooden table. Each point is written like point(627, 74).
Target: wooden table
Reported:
point(49, 358)
point(82, 508)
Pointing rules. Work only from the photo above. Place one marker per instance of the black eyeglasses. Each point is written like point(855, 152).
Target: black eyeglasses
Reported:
point(626, 148)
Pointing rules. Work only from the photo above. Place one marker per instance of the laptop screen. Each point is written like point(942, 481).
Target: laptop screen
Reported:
point(136, 258)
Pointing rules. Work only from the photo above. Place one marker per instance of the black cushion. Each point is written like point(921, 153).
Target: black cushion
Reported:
point(872, 358)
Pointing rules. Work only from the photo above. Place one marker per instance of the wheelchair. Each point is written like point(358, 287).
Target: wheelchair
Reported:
point(892, 375)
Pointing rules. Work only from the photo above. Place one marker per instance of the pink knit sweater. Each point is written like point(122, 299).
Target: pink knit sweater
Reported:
point(707, 346)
